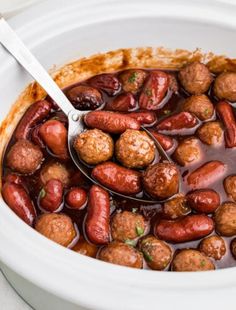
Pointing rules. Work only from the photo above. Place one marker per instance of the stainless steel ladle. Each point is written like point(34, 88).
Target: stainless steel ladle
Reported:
point(21, 53)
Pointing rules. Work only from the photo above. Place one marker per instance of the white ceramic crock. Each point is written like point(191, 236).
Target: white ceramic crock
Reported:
point(47, 275)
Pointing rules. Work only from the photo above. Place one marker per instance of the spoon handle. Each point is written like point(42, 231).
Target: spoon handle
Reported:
point(10, 40)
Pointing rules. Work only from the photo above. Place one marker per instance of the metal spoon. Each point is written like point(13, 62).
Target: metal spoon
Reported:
point(21, 53)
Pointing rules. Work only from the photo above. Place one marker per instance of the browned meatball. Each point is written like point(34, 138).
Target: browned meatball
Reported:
point(200, 105)
point(156, 252)
point(233, 247)
point(188, 152)
point(225, 86)
point(225, 219)
point(123, 254)
point(85, 248)
point(55, 170)
point(85, 97)
point(134, 149)
point(94, 146)
point(230, 186)
point(24, 157)
point(211, 133)
point(213, 246)
point(195, 78)
point(57, 227)
point(191, 260)
point(176, 207)
point(161, 180)
point(127, 226)
point(132, 80)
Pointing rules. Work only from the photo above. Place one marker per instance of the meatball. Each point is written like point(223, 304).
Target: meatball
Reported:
point(188, 151)
point(213, 246)
point(85, 248)
point(225, 86)
point(161, 180)
point(85, 97)
point(195, 78)
point(94, 146)
point(57, 227)
point(230, 186)
point(135, 149)
point(191, 260)
point(200, 105)
point(24, 157)
point(176, 207)
point(55, 170)
point(127, 226)
point(121, 254)
point(225, 219)
point(233, 247)
point(211, 133)
point(132, 80)
point(156, 252)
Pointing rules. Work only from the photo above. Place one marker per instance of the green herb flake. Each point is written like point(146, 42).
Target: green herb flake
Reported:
point(130, 242)
point(55, 118)
point(167, 112)
point(42, 193)
point(132, 77)
point(203, 263)
point(148, 92)
point(134, 210)
point(139, 230)
point(147, 257)
point(206, 112)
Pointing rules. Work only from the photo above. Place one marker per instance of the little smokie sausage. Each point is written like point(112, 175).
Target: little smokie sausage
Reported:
point(191, 227)
point(54, 134)
point(98, 216)
point(19, 201)
point(34, 115)
point(51, 195)
point(225, 112)
point(117, 178)
point(110, 121)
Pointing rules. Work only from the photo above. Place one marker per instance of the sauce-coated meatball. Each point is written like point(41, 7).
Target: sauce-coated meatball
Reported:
point(85, 248)
point(85, 97)
point(127, 226)
point(230, 186)
point(55, 170)
point(176, 207)
point(94, 146)
point(233, 247)
point(195, 78)
point(200, 105)
point(191, 260)
point(57, 227)
point(161, 180)
point(121, 254)
point(135, 149)
point(24, 157)
point(213, 246)
point(132, 80)
point(211, 133)
point(156, 252)
point(225, 86)
point(225, 219)
point(188, 151)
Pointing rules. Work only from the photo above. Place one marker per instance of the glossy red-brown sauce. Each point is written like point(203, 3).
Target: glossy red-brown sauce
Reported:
point(152, 212)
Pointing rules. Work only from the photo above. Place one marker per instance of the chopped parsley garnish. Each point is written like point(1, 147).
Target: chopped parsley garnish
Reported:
point(148, 92)
point(42, 193)
point(132, 77)
point(206, 112)
point(130, 242)
point(203, 263)
point(139, 230)
point(166, 112)
point(147, 256)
